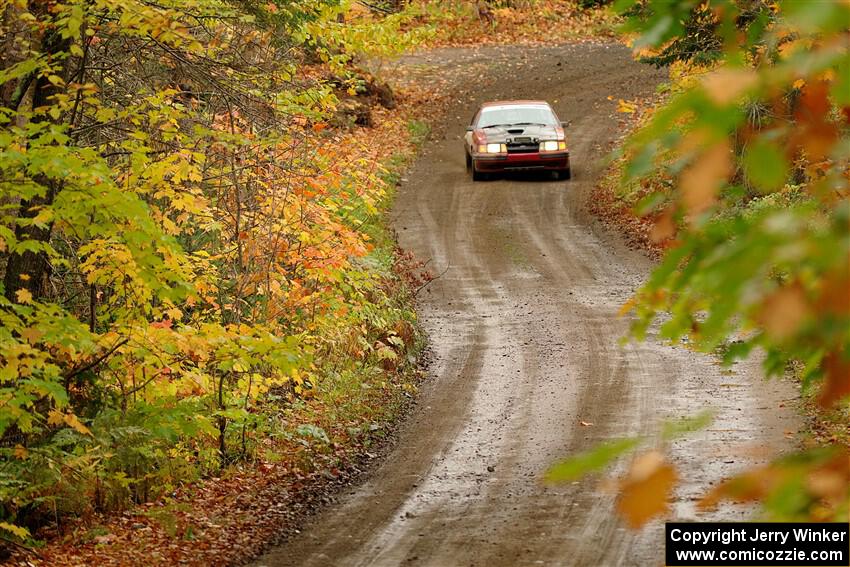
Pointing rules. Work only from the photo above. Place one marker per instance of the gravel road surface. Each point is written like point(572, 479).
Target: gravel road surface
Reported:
point(525, 339)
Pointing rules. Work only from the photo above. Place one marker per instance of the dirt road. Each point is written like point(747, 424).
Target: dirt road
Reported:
point(524, 330)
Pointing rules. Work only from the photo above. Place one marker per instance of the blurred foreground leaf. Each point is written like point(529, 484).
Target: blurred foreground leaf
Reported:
point(590, 461)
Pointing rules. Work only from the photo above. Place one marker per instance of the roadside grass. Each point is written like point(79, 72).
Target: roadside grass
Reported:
point(832, 427)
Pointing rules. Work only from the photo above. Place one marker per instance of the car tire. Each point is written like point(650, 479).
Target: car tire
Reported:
point(468, 162)
point(476, 175)
point(563, 174)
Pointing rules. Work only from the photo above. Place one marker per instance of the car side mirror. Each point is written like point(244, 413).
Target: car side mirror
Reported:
point(566, 123)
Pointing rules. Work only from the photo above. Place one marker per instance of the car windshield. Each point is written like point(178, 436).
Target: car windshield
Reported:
point(513, 115)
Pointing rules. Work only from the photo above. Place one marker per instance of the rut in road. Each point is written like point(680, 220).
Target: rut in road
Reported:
point(525, 336)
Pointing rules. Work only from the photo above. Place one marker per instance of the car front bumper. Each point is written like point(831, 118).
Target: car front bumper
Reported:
point(523, 161)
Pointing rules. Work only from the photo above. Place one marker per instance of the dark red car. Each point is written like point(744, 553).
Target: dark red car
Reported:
point(516, 135)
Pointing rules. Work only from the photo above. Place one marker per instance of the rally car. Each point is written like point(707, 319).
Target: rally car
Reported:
point(516, 135)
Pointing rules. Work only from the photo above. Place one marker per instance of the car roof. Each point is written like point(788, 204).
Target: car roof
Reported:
point(515, 103)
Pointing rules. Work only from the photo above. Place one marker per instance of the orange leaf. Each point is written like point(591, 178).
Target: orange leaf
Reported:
point(784, 311)
point(701, 180)
point(836, 385)
point(834, 296)
point(753, 485)
point(645, 490)
point(664, 226)
point(726, 85)
point(815, 133)
point(814, 102)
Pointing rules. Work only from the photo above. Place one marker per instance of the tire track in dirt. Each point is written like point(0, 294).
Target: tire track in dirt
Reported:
point(524, 332)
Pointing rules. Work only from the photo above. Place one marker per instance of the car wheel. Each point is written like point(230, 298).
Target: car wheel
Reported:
point(477, 175)
point(468, 162)
point(563, 174)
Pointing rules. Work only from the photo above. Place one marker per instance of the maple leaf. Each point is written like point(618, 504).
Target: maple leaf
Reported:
point(645, 490)
point(23, 295)
point(74, 422)
point(55, 417)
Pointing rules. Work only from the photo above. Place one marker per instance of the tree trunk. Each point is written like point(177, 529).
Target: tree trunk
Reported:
point(29, 270)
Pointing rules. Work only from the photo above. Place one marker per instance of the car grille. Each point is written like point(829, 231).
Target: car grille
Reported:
point(522, 145)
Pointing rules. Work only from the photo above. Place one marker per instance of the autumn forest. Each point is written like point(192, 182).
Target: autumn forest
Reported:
point(244, 272)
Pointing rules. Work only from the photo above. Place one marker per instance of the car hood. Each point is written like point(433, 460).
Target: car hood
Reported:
point(508, 134)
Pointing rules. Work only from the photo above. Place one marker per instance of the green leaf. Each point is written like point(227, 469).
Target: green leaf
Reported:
point(675, 429)
point(590, 461)
point(817, 17)
point(17, 531)
point(765, 165)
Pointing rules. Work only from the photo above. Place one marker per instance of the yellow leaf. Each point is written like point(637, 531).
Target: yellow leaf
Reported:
point(55, 417)
point(72, 421)
point(18, 531)
point(23, 295)
point(20, 452)
point(626, 107)
point(827, 75)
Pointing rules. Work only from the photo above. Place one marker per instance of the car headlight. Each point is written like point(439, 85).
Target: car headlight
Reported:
point(492, 149)
point(553, 146)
